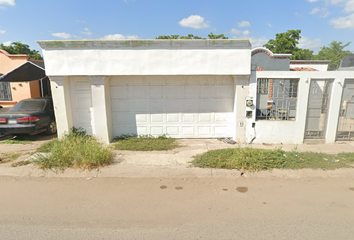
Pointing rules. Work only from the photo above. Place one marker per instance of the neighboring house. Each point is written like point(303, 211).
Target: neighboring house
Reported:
point(196, 89)
point(299, 102)
point(15, 80)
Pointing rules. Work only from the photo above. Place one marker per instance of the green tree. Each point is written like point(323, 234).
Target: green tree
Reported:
point(20, 48)
point(334, 52)
point(287, 43)
point(220, 36)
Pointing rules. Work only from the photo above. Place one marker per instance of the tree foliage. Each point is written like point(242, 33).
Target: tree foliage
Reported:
point(191, 36)
point(20, 48)
point(287, 43)
point(334, 52)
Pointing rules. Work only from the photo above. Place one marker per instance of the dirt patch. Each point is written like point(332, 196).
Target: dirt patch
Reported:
point(163, 186)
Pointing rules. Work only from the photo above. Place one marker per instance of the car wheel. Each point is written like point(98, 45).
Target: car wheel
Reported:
point(52, 128)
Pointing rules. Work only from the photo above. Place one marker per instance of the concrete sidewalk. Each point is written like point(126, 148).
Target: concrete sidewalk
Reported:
point(176, 163)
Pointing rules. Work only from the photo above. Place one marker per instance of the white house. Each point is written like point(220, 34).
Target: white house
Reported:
point(197, 89)
point(182, 88)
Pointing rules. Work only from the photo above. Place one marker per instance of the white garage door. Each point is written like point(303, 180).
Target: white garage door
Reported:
point(179, 106)
point(81, 103)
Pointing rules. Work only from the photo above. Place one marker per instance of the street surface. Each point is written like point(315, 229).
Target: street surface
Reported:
point(118, 208)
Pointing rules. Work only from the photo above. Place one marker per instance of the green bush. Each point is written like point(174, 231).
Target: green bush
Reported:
point(262, 159)
point(74, 150)
point(144, 143)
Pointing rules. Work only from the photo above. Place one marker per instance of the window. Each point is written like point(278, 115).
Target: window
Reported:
point(276, 99)
point(5, 91)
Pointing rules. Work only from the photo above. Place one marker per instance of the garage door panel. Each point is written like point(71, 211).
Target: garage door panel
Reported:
point(142, 118)
point(124, 118)
point(155, 92)
point(172, 105)
point(157, 131)
point(173, 91)
point(119, 92)
point(204, 131)
point(204, 118)
point(139, 105)
point(188, 131)
point(191, 92)
point(172, 118)
point(188, 118)
point(120, 105)
point(173, 131)
point(155, 105)
point(156, 118)
point(181, 106)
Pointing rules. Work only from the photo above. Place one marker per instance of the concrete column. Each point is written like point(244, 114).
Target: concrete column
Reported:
point(101, 104)
point(241, 84)
point(333, 111)
point(62, 104)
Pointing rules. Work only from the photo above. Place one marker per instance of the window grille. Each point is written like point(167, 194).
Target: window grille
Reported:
point(5, 91)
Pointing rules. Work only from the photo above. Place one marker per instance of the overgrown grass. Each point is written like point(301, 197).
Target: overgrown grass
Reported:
point(261, 159)
point(74, 150)
point(8, 157)
point(144, 143)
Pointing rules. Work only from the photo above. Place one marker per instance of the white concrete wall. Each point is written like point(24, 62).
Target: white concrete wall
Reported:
point(292, 132)
point(147, 57)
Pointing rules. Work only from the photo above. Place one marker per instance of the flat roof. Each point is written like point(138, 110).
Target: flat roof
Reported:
point(147, 44)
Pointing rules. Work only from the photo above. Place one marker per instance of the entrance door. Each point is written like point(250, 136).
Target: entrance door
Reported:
point(317, 109)
point(345, 129)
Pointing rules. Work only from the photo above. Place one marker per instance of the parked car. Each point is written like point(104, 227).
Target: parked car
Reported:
point(29, 116)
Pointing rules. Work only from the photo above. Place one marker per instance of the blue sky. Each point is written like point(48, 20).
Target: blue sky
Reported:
point(321, 21)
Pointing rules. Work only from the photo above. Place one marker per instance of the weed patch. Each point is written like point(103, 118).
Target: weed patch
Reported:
point(261, 159)
point(8, 157)
point(21, 163)
point(144, 143)
point(74, 150)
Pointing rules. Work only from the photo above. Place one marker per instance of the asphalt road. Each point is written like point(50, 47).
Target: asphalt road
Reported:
point(116, 208)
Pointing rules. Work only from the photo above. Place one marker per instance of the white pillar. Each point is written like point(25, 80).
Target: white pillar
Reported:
point(333, 111)
point(101, 104)
point(62, 104)
point(241, 92)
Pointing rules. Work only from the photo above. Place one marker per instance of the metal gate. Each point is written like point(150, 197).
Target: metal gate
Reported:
point(345, 129)
point(317, 109)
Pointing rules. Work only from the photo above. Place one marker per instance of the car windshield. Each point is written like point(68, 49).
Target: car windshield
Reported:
point(28, 106)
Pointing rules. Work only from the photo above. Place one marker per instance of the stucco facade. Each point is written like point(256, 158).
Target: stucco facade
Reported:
point(156, 87)
point(196, 89)
point(19, 90)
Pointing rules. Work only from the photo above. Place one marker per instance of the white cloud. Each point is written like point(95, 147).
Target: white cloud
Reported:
point(2, 31)
point(244, 24)
point(246, 33)
point(235, 31)
point(308, 43)
point(258, 42)
point(7, 2)
point(119, 36)
point(8, 43)
point(194, 21)
point(343, 22)
point(87, 32)
point(322, 12)
point(349, 6)
point(62, 35)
